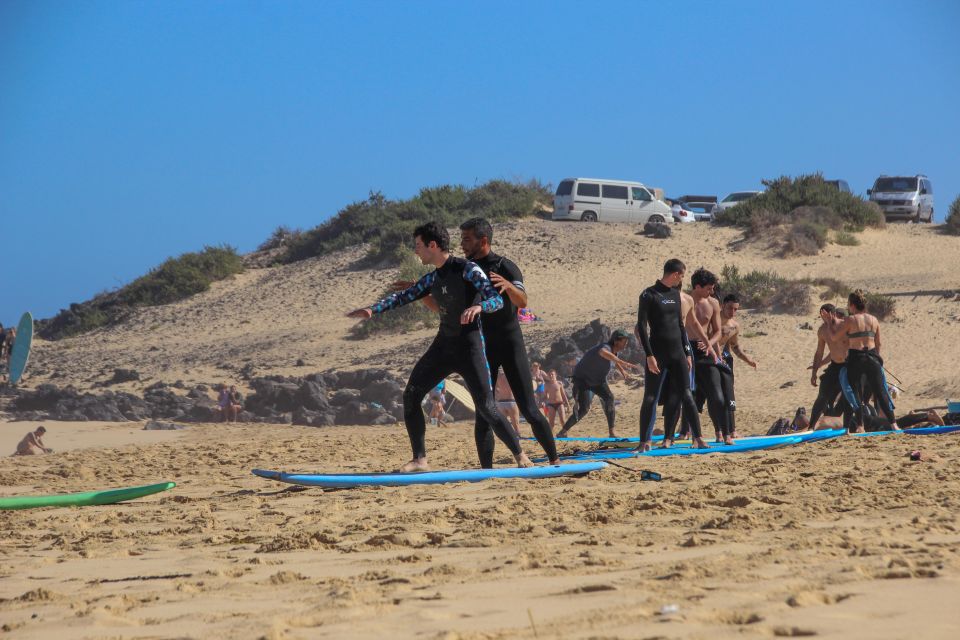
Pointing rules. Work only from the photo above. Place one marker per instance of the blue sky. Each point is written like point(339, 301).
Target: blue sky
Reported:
point(134, 131)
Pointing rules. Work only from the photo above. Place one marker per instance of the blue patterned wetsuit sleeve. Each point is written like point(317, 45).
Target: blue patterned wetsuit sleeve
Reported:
point(420, 289)
point(490, 300)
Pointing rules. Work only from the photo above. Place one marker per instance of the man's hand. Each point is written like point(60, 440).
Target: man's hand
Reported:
point(652, 365)
point(501, 284)
point(752, 363)
point(401, 285)
point(470, 314)
point(813, 377)
point(364, 314)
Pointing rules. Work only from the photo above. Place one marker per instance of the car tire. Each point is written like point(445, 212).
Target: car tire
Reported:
point(588, 216)
point(656, 219)
point(930, 218)
point(916, 218)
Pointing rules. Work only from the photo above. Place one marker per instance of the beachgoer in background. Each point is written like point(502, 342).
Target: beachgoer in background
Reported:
point(835, 344)
point(458, 347)
point(223, 403)
point(660, 329)
point(437, 403)
point(864, 370)
point(506, 403)
point(729, 347)
point(32, 444)
point(590, 378)
point(538, 377)
point(236, 403)
point(556, 398)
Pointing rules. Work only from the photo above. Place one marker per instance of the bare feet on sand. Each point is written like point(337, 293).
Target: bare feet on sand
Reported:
point(523, 461)
point(555, 461)
point(728, 440)
point(698, 443)
point(644, 447)
point(666, 444)
point(613, 434)
point(719, 437)
point(417, 464)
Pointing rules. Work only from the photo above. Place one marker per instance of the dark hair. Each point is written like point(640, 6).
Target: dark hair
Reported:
point(619, 334)
point(480, 228)
point(858, 299)
point(42, 428)
point(829, 308)
point(673, 265)
point(731, 297)
point(840, 313)
point(702, 278)
point(433, 232)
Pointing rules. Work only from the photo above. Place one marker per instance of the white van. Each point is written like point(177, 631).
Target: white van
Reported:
point(598, 199)
point(904, 197)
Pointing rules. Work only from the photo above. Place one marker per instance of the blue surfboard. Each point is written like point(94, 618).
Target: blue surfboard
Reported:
point(685, 451)
point(346, 480)
point(20, 354)
point(804, 436)
point(919, 431)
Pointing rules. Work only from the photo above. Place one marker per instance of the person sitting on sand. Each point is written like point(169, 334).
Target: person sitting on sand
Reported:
point(32, 444)
point(236, 403)
point(556, 397)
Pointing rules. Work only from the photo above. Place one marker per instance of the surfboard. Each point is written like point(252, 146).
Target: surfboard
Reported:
point(685, 451)
point(110, 496)
point(919, 431)
point(458, 391)
point(20, 354)
point(348, 480)
point(803, 435)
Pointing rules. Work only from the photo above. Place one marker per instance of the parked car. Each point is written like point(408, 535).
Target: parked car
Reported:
point(904, 197)
point(681, 214)
point(841, 185)
point(690, 198)
point(734, 198)
point(603, 200)
point(702, 211)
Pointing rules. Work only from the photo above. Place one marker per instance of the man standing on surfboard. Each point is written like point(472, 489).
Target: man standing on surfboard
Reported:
point(461, 292)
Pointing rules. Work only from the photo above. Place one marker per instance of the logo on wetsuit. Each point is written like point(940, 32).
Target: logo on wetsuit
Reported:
point(668, 301)
point(443, 289)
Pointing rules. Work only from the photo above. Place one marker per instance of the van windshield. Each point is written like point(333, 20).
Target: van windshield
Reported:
point(895, 184)
point(565, 188)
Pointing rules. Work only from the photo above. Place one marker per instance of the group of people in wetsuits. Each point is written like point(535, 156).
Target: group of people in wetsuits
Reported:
point(689, 342)
point(854, 374)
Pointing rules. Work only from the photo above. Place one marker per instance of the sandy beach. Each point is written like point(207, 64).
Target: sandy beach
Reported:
point(846, 538)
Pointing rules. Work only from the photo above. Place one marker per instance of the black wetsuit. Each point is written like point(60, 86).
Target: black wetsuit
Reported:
point(713, 386)
point(864, 373)
point(505, 348)
point(458, 348)
point(590, 377)
point(660, 308)
point(826, 401)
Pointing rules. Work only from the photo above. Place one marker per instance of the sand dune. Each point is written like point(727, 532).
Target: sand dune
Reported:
point(839, 539)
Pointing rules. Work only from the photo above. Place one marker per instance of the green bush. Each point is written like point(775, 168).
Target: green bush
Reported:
point(808, 206)
point(845, 239)
point(387, 225)
point(280, 237)
point(405, 318)
point(766, 291)
point(952, 223)
point(175, 279)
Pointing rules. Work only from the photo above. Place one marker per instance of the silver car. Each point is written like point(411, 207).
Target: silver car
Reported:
point(733, 199)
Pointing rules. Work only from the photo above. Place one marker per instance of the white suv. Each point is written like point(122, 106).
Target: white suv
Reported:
point(904, 197)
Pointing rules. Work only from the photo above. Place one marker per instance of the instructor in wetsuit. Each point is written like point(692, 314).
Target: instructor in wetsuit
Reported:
point(864, 364)
point(461, 292)
point(503, 337)
point(668, 353)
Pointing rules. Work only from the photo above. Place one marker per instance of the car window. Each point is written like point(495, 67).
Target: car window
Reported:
point(565, 188)
point(639, 193)
point(615, 192)
point(895, 184)
point(588, 189)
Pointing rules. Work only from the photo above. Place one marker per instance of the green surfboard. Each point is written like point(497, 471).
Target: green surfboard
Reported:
point(20, 354)
point(109, 496)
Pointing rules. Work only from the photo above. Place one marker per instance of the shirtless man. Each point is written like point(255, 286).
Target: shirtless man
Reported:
point(729, 346)
point(556, 396)
point(506, 403)
point(829, 338)
point(32, 444)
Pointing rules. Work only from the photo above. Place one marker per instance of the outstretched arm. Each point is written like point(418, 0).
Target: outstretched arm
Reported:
point(420, 289)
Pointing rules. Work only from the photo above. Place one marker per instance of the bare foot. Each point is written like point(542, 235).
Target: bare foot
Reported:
point(698, 443)
point(719, 437)
point(613, 434)
point(643, 448)
point(417, 464)
point(555, 461)
point(522, 460)
point(728, 440)
point(666, 444)
point(895, 427)
point(859, 429)
point(934, 417)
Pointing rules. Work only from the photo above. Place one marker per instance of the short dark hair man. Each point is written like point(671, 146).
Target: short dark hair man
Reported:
point(668, 351)
point(462, 292)
point(836, 346)
point(504, 346)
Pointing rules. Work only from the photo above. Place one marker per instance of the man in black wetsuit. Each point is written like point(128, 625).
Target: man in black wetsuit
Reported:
point(461, 292)
point(503, 337)
point(668, 353)
point(590, 377)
